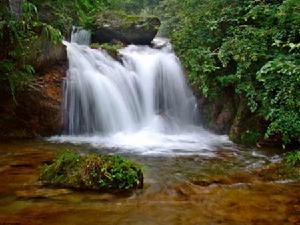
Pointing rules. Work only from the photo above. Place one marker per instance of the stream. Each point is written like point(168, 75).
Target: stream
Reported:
point(140, 106)
point(191, 189)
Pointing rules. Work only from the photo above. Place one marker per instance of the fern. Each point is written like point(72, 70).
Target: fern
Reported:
point(20, 34)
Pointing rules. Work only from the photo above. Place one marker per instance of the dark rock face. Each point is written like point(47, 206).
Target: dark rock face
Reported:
point(37, 111)
point(218, 115)
point(245, 124)
point(116, 26)
point(45, 55)
point(229, 114)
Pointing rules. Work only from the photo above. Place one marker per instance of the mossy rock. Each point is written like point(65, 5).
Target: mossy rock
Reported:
point(278, 171)
point(129, 29)
point(111, 48)
point(247, 127)
point(92, 172)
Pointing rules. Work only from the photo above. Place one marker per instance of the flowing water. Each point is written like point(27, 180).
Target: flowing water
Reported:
point(140, 103)
point(181, 190)
point(140, 106)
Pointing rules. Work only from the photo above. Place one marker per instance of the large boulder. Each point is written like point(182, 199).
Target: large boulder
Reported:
point(129, 29)
point(45, 55)
point(218, 114)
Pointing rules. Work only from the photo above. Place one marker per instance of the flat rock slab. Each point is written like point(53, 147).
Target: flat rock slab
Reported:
point(41, 193)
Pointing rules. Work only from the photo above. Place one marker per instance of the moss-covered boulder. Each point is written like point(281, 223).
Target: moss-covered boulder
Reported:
point(92, 172)
point(111, 48)
point(129, 29)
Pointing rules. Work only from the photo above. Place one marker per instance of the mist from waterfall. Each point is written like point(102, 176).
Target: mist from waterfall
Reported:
point(140, 102)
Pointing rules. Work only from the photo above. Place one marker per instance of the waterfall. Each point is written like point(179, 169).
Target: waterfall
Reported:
point(105, 96)
point(140, 100)
point(80, 36)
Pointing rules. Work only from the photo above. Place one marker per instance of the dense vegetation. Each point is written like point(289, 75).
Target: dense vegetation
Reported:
point(249, 47)
point(18, 34)
point(49, 20)
point(92, 171)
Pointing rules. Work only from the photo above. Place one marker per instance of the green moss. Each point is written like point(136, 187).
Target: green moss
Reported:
point(95, 46)
point(292, 159)
point(120, 19)
point(246, 128)
point(111, 48)
point(250, 137)
point(278, 171)
point(93, 171)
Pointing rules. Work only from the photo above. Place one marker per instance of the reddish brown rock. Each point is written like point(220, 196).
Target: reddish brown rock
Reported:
point(37, 111)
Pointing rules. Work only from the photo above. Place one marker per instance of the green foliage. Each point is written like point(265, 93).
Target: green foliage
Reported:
point(250, 137)
point(92, 171)
point(63, 14)
point(252, 47)
point(135, 6)
point(280, 97)
point(45, 19)
point(64, 164)
point(292, 159)
point(20, 35)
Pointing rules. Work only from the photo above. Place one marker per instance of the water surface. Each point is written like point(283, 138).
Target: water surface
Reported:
point(183, 189)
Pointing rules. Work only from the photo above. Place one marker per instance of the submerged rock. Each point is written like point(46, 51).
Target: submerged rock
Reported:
point(129, 29)
point(41, 193)
point(92, 172)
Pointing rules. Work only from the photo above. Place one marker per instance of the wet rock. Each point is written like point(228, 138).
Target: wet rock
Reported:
point(111, 48)
point(38, 109)
point(41, 193)
point(244, 122)
point(210, 181)
point(277, 172)
point(21, 165)
point(218, 114)
point(106, 197)
point(45, 55)
point(129, 29)
point(230, 114)
point(186, 190)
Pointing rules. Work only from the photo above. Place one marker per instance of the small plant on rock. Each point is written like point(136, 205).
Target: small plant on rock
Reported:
point(93, 171)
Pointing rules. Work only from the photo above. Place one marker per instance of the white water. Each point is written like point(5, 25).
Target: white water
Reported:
point(140, 104)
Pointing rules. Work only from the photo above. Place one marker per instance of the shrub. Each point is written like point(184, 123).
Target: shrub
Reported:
point(17, 38)
point(93, 171)
point(250, 137)
point(292, 158)
point(251, 47)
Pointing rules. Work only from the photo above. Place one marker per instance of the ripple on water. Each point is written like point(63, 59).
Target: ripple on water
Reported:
point(227, 192)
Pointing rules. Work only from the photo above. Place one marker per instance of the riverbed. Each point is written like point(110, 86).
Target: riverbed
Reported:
point(181, 189)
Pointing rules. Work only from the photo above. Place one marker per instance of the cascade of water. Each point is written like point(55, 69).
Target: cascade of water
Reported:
point(139, 102)
point(105, 96)
point(80, 36)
